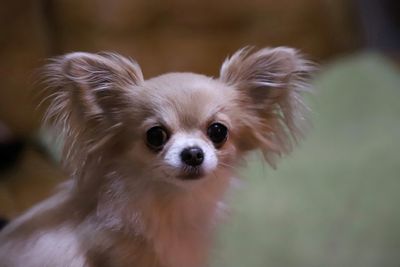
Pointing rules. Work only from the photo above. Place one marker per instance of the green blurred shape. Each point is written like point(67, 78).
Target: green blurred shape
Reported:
point(336, 200)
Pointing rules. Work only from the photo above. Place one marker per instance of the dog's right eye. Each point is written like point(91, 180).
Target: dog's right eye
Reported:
point(156, 137)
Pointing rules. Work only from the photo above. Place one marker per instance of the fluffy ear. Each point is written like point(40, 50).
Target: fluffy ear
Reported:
point(88, 93)
point(270, 83)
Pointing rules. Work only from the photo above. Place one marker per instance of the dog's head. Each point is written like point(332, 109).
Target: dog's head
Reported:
point(177, 127)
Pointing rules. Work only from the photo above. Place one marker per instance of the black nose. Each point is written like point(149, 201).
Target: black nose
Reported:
point(192, 156)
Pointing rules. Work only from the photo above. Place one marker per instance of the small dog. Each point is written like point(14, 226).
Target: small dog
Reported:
point(151, 160)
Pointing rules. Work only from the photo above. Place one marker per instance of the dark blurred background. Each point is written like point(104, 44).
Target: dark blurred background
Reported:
point(334, 202)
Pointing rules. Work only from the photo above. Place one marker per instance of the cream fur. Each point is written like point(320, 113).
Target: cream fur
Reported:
point(127, 205)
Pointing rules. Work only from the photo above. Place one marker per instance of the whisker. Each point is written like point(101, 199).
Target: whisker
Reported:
point(226, 165)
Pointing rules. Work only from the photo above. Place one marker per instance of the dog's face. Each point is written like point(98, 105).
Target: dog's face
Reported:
point(186, 127)
point(178, 127)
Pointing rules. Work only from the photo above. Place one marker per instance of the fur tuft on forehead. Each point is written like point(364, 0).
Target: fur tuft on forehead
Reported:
point(185, 99)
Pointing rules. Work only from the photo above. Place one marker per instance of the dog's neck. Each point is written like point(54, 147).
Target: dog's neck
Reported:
point(175, 222)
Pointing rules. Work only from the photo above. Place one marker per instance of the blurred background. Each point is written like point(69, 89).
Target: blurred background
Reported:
point(334, 202)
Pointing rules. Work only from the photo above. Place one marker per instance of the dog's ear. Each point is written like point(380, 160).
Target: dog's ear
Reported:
point(95, 85)
point(270, 83)
point(87, 96)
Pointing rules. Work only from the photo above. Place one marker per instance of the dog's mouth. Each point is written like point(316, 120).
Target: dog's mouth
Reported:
point(191, 173)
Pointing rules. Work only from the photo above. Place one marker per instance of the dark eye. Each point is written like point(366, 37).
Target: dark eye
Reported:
point(217, 133)
point(156, 137)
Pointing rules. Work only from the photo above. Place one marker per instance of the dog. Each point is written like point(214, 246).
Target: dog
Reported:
point(151, 160)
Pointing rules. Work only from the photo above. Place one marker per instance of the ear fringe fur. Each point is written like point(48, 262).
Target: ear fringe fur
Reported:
point(75, 98)
point(278, 120)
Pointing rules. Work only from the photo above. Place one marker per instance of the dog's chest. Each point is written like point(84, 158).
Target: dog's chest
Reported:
point(182, 247)
point(168, 250)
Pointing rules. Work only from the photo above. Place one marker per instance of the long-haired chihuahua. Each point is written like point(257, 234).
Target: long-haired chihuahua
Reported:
point(151, 160)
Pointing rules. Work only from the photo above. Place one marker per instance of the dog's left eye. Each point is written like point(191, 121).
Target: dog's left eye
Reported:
point(156, 137)
point(218, 133)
